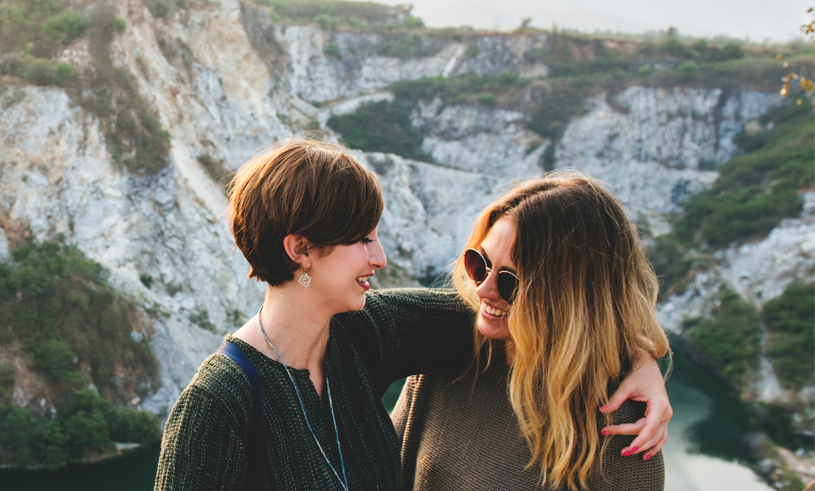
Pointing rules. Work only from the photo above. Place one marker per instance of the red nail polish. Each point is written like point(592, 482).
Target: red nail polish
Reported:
point(646, 457)
point(603, 432)
point(626, 453)
point(634, 449)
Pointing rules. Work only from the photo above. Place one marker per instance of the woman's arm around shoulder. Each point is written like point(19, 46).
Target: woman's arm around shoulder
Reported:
point(202, 448)
point(407, 331)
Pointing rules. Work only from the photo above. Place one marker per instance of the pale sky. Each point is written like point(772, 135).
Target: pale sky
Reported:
point(776, 20)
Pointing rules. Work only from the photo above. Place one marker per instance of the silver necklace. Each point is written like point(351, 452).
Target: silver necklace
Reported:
point(344, 480)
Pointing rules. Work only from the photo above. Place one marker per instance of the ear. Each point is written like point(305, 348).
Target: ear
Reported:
point(297, 247)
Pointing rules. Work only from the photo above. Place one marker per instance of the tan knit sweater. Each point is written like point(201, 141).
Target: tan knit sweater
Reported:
point(456, 437)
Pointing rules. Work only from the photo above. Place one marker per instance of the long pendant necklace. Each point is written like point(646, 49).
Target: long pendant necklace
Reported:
point(344, 480)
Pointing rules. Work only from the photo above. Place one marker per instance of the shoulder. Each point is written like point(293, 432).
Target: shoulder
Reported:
point(219, 385)
point(631, 473)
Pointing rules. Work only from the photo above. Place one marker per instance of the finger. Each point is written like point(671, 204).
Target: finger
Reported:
point(652, 446)
point(648, 432)
point(617, 398)
point(624, 429)
point(651, 452)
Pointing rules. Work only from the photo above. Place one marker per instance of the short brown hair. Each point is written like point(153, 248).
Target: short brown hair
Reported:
point(300, 186)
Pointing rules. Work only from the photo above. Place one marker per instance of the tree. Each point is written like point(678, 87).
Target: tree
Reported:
point(805, 83)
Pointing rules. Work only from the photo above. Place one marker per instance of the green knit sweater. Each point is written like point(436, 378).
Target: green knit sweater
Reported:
point(400, 332)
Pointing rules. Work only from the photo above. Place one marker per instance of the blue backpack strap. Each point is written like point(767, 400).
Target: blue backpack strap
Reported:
point(255, 442)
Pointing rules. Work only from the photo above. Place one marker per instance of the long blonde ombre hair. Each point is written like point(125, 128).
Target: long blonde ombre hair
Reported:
point(586, 301)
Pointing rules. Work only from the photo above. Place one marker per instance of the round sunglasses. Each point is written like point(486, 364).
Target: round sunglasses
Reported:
point(477, 269)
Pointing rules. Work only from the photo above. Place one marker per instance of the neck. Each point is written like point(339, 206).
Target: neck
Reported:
point(295, 326)
point(509, 353)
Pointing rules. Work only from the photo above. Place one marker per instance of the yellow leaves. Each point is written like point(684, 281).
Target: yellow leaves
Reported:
point(779, 57)
point(807, 84)
point(798, 102)
point(785, 89)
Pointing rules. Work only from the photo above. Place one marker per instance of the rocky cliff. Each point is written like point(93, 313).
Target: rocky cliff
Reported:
point(225, 79)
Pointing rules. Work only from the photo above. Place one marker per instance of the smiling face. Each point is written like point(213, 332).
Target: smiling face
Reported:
point(340, 279)
point(496, 248)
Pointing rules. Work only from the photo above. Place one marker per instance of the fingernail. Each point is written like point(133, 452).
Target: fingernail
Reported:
point(603, 407)
point(646, 457)
point(626, 453)
point(634, 449)
point(602, 432)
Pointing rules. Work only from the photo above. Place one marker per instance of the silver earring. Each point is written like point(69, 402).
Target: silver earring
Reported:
point(305, 279)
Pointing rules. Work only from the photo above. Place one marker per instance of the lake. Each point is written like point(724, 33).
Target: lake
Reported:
point(706, 450)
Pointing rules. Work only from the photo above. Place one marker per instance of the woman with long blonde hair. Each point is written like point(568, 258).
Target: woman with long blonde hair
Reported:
point(566, 306)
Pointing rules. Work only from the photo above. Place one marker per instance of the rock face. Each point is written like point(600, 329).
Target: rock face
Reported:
point(251, 82)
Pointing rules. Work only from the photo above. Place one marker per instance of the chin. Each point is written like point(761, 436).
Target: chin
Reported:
point(493, 329)
point(358, 305)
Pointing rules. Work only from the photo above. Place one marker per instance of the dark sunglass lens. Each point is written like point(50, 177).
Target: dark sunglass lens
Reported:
point(507, 285)
point(475, 266)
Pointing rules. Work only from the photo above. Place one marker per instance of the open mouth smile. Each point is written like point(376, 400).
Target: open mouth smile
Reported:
point(492, 311)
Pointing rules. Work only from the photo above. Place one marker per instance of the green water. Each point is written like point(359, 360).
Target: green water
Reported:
point(135, 471)
point(707, 448)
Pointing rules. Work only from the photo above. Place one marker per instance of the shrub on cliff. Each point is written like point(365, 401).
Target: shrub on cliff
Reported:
point(792, 338)
point(670, 264)
point(755, 190)
point(58, 306)
point(65, 27)
point(381, 127)
point(731, 337)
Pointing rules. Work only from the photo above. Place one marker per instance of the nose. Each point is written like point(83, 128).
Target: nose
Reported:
point(376, 255)
point(488, 289)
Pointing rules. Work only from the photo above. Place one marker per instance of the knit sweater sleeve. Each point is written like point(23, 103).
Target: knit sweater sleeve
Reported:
point(203, 443)
point(403, 332)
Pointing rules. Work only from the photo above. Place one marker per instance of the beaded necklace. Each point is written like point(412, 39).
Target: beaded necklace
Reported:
point(344, 480)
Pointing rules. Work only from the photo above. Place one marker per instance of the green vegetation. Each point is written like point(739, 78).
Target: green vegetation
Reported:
point(687, 70)
point(146, 280)
point(670, 263)
point(56, 306)
point(486, 98)
point(792, 340)
point(31, 36)
point(333, 50)
point(87, 424)
point(549, 159)
point(201, 318)
point(731, 338)
point(408, 46)
point(71, 328)
point(757, 189)
point(330, 14)
point(381, 127)
point(386, 127)
point(215, 168)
